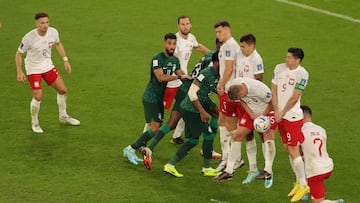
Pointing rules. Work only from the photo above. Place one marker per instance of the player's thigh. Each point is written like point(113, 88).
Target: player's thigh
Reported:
point(193, 124)
point(154, 112)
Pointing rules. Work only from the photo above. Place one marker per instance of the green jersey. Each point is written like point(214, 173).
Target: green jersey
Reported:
point(154, 91)
point(208, 79)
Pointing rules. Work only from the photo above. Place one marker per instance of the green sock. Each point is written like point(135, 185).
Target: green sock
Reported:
point(182, 151)
point(214, 125)
point(207, 148)
point(146, 136)
point(163, 130)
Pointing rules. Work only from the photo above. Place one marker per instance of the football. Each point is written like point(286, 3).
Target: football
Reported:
point(262, 124)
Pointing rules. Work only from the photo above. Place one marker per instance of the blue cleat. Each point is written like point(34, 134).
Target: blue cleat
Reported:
point(268, 180)
point(251, 176)
point(131, 156)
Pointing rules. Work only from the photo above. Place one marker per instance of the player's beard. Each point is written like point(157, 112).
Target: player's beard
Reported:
point(170, 53)
point(185, 33)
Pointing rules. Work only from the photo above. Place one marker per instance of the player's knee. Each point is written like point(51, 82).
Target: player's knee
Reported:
point(209, 137)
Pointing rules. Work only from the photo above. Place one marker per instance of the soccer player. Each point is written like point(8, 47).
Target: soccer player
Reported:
point(288, 83)
point(185, 43)
point(193, 109)
point(162, 67)
point(255, 97)
point(318, 164)
point(228, 57)
point(250, 66)
point(38, 65)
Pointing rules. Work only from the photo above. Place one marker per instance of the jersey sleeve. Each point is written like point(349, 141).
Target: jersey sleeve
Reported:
point(24, 45)
point(258, 66)
point(302, 80)
point(274, 79)
point(156, 63)
point(230, 52)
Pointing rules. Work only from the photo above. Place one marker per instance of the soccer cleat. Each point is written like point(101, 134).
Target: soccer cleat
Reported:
point(221, 166)
point(239, 164)
point(131, 156)
point(177, 140)
point(340, 201)
point(147, 157)
point(36, 128)
point(250, 177)
point(210, 172)
point(293, 191)
point(268, 180)
point(300, 193)
point(172, 170)
point(68, 119)
point(305, 197)
point(215, 155)
point(223, 176)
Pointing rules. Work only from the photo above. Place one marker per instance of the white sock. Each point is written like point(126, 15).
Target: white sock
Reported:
point(235, 150)
point(34, 110)
point(146, 127)
point(251, 154)
point(263, 148)
point(270, 152)
point(61, 101)
point(329, 201)
point(179, 128)
point(224, 141)
point(300, 171)
point(293, 168)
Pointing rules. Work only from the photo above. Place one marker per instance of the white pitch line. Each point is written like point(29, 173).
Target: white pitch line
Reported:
point(321, 11)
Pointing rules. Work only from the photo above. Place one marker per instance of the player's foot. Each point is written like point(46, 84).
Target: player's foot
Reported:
point(147, 157)
point(300, 193)
point(68, 119)
point(267, 177)
point(172, 170)
point(177, 140)
point(36, 128)
point(250, 177)
point(239, 164)
point(221, 166)
point(215, 155)
point(131, 156)
point(294, 189)
point(223, 176)
point(340, 201)
point(305, 197)
point(210, 172)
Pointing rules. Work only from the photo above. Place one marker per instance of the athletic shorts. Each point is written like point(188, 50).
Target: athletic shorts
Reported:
point(169, 96)
point(180, 95)
point(247, 122)
point(154, 112)
point(49, 77)
point(227, 107)
point(290, 132)
point(194, 127)
point(317, 186)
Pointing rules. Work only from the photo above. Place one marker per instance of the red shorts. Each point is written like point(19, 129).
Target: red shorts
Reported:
point(169, 96)
point(49, 77)
point(290, 132)
point(316, 184)
point(247, 122)
point(229, 108)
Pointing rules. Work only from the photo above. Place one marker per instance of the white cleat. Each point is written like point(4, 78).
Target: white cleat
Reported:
point(36, 128)
point(68, 119)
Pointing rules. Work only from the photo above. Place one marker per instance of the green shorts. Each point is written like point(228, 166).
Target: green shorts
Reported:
point(194, 127)
point(180, 95)
point(154, 112)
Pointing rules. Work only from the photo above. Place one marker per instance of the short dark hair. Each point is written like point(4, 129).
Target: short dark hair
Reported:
point(41, 15)
point(169, 35)
point(222, 23)
point(215, 57)
point(306, 109)
point(182, 17)
point(248, 39)
point(297, 53)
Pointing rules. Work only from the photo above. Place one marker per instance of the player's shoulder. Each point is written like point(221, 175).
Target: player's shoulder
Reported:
point(30, 34)
point(255, 56)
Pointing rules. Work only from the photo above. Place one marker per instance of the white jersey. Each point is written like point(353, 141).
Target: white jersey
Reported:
point(250, 66)
point(183, 51)
point(230, 50)
point(316, 157)
point(38, 48)
point(287, 81)
point(258, 96)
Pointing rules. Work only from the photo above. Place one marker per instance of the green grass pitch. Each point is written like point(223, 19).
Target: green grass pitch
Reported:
point(109, 45)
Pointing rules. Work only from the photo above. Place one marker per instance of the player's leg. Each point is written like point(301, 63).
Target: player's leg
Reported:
point(54, 79)
point(36, 87)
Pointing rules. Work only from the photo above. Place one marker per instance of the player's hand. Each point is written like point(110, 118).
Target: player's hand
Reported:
point(278, 116)
point(67, 67)
point(204, 116)
point(21, 77)
point(220, 89)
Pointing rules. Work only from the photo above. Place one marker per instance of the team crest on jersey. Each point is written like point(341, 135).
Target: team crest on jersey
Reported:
point(291, 81)
point(259, 67)
point(246, 68)
point(227, 53)
point(50, 44)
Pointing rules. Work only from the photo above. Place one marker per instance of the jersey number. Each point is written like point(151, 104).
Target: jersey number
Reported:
point(320, 143)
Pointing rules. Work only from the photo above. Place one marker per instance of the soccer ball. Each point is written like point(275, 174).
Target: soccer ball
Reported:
point(262, 124)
